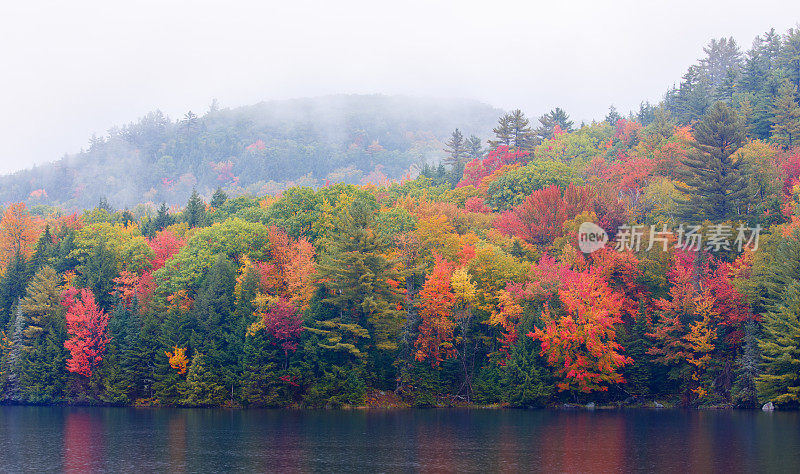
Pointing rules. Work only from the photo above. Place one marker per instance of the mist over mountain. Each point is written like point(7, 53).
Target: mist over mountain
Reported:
point(262, 148)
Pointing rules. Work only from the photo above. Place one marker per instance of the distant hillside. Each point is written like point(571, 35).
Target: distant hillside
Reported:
point(260, 148)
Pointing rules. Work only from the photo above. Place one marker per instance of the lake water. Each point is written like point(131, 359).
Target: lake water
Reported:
point(188, 440)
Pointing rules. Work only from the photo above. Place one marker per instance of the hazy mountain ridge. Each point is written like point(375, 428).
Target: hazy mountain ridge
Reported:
point(259, 148)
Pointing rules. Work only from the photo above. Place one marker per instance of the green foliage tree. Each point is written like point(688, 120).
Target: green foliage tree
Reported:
point(779, 381)
point(786, 116)
point(195, 212)
point(503, 132)
point(713, 179)
point(200, 389)
point(43, 358)
point(549, 121)
point(456, 149)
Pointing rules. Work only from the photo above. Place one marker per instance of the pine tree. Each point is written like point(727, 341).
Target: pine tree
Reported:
point(213, 318)
point(201, 387)
point(713, 178)
point(548, 122)
point(12, 287)
point(474, 148)
point(639, 373)
point(779, 381)
point(692, 97)
point(195, 212)
point(137, 356)
point(43, 253)
point(723, 58)
point(613, 116)
point(358, 274)
point(745, 390)
point(522, 137)
point(727, 87)
point(525, 379)
point(456, 149)
point(786, 116)
point(218, 198)
point(503, 132)
point(125, 218)
point(789, 59)
point(12, 363)
point(162, 220)
point(98, 272)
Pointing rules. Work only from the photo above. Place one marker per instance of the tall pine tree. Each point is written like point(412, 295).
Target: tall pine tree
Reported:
point(712, 177)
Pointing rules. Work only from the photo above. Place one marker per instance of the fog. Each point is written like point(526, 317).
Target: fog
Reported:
point(70, 69)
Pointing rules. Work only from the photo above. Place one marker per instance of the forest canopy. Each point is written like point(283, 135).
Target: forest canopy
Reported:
point(466, 282)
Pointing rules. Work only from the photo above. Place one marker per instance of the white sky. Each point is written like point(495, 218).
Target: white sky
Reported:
point(71, 68)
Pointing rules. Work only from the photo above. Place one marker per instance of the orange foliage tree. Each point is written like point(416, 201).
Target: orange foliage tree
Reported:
point(290, 274)
point(177, 359)
point(18, 233)
point(435, 340)
point(581, 345)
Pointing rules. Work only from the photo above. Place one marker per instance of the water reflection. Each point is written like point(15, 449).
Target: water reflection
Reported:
point(171, 440)
point(84, 440)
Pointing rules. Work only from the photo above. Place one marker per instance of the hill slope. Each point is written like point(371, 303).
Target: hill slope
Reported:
point(260, 148)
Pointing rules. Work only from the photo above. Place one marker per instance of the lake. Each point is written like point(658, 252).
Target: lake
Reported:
point(192, 440)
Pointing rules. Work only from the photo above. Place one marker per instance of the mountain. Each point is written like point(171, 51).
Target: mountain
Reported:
point(262, 148)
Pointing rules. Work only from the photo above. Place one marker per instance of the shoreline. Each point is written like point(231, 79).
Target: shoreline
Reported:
point(651, 406)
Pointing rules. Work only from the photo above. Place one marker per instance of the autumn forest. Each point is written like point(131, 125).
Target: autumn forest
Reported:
point(418, 282)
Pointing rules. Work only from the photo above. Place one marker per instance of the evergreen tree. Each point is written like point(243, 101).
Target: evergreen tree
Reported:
point(42, 371)
point(503, 132)
point(549, 121)
point(44, 252)
point(639, 373)
point(213, 321)
point(162, 220)
point(745, 392)
point(779, 381)
point(786, 116)
point(723, 58)
point(525, 379)
point(456, 149)
point(662, 122)
point(522, 137)
point(613, 116)
point(12, 360)
point(474, 148)
point(103, 205)
point(261, 386)
point(137, 358)
point(126, 218)
point(789, 59)
point(12, 287)
point(691, 99)
point(646, 114)
point(195, 212)
point(97, 273)
point(218, 198)
point(65, 260)
point(715, 181)
point(112, 370)
point(358, 275)
point(201, 387)
point(724, 92)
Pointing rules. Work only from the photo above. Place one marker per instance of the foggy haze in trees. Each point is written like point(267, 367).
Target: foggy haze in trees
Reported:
point(71, 69)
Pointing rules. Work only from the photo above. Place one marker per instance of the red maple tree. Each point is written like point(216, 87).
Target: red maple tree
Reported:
point(87, 326)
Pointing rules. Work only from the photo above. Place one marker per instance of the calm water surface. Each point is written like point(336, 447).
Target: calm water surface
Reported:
point(182, 440)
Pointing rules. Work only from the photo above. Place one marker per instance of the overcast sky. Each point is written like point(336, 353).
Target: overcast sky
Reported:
point(72, 68)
